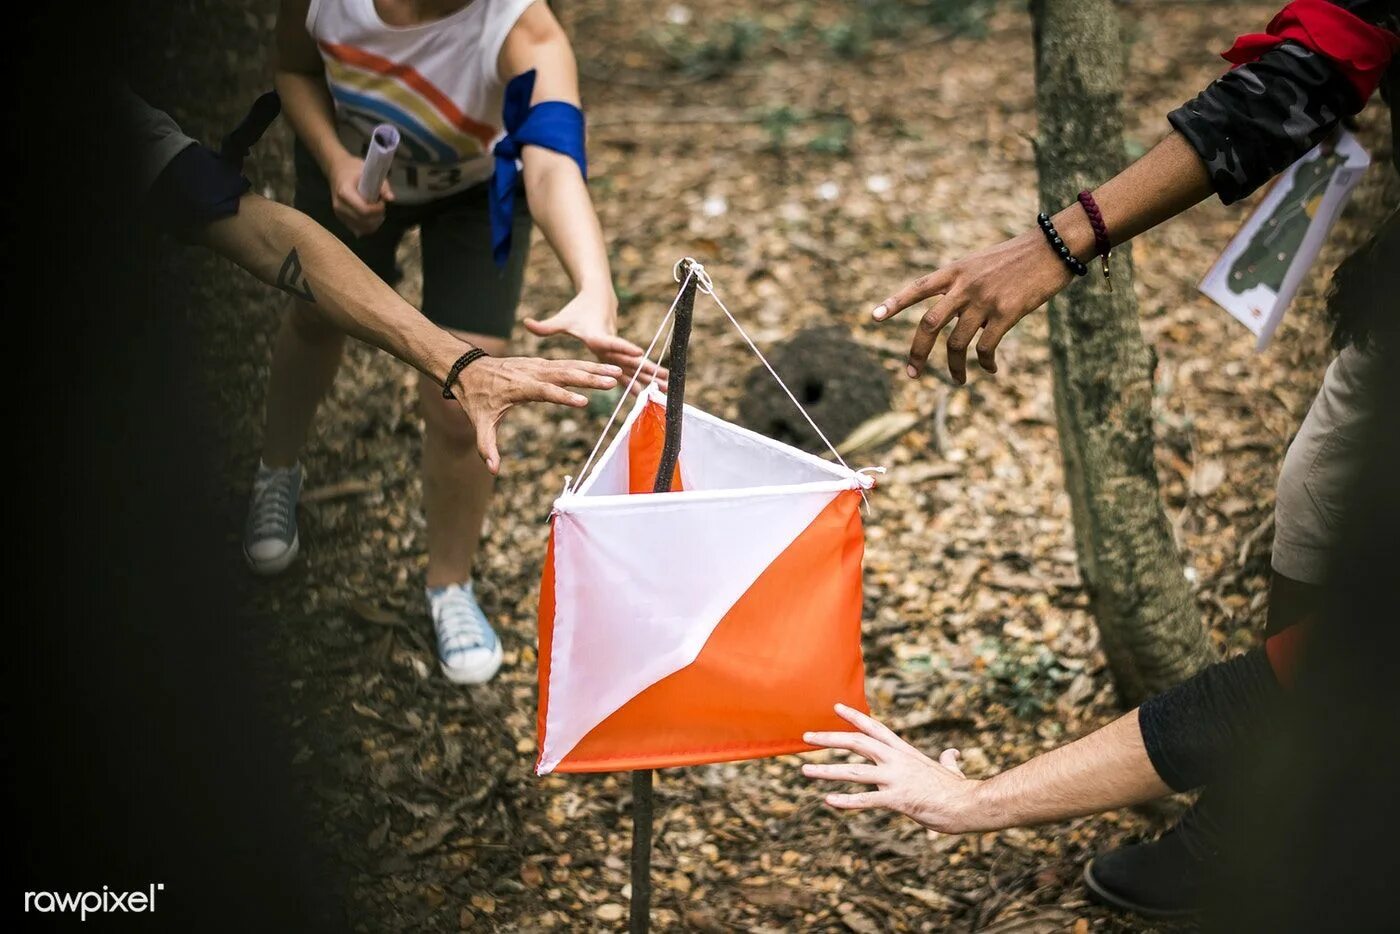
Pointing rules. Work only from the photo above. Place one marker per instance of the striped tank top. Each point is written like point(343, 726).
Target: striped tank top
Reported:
point(437, 82)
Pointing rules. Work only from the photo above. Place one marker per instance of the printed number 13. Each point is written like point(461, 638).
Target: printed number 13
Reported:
point(441, 179)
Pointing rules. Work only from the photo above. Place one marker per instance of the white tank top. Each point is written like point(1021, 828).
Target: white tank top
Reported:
point(436, 82)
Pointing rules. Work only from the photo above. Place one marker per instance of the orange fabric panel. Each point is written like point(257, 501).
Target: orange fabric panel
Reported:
point(644, 445)
point(546, 636)
point(786, 652)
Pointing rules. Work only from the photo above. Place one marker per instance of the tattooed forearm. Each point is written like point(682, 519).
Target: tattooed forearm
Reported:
point(293, 281)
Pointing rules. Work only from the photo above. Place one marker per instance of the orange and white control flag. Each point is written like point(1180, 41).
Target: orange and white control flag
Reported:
point(717, 621)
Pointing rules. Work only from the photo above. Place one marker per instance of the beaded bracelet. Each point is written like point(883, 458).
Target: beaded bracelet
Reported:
point(1058, 245)
point(1102, 244)
point(464, 361)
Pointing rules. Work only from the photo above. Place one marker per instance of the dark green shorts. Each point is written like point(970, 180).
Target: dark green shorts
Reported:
point(462, 288)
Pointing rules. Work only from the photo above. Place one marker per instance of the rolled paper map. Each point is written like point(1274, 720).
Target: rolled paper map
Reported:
point(382, 143)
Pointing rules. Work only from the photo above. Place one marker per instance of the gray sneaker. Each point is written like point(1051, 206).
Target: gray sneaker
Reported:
point(270, 537)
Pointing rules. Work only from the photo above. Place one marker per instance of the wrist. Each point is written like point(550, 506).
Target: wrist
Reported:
point(1041, 257)
point(441, 355)
point(335, 158)
point(457, 383)
point(600, 302)
point(1073, 226)
point(599, 293)
point(981, 807)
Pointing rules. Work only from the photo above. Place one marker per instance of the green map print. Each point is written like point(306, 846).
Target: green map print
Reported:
point(1270, 251)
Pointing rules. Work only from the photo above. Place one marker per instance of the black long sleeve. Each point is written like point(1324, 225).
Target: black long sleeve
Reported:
point(1193, 730)
point(1255, 120)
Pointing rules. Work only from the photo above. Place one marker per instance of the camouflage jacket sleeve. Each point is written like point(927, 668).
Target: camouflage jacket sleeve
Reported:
point(1257, 119)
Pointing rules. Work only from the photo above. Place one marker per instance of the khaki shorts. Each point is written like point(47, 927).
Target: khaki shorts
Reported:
point(1322, 464)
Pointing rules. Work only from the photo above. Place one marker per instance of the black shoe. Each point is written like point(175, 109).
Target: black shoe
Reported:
point(1163, 879)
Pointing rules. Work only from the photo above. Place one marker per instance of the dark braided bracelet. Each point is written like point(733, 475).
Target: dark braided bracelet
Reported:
point(464, 361)
point(1102, 244)
point(1058, 245)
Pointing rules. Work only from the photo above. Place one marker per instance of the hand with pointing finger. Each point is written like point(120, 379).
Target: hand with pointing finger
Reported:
point(934, 793)
point(988, 291)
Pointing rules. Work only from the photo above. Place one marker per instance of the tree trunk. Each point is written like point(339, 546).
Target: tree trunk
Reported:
point(1150, 629)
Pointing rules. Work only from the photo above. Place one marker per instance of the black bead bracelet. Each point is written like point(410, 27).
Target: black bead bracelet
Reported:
point(1058, 245)
point(464, 361)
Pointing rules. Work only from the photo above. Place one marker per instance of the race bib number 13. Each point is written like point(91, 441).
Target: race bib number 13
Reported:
point(423, 181)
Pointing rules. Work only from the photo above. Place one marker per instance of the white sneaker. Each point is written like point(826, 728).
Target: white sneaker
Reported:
point(270, 541)
point(468, 648)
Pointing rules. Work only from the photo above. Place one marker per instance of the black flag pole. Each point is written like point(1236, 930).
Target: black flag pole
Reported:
point(639, 920)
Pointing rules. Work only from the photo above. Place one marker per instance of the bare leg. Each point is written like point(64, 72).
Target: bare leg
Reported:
point(456, 484)
point(304, 364)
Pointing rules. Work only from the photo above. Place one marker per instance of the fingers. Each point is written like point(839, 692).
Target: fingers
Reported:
point(361, 216)
point(614, 345)
point(605, 369)
point(858, 743)
point(845, 772)
point(486, 444)
point(993, 330)
point(361, 222)
point(584, 375)
point(935, 283)
point(548, 392)
point(949, 760)
point(870, 726)
point(386, 191)
point(649, 372)
point(969, 320)
point(927, 331)
point(859, 801)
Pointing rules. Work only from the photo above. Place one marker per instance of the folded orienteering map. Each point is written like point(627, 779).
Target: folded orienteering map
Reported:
point(1259, 272)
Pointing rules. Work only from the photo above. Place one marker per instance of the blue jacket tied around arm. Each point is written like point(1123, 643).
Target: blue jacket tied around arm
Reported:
point(552, 124)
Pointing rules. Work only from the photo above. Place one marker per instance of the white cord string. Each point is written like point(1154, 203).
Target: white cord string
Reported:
point(626, 393)
point(764, 360)
point(704, 284)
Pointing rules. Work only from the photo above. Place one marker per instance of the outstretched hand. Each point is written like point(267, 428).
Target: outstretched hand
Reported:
point(489, 387)
point(593, 321)
point(990, 290)
point(936, 794)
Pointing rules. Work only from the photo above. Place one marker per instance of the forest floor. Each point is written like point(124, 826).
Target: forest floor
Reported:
point(814, 155)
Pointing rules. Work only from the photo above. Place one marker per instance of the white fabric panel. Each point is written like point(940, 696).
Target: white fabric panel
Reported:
point(641, 585)
point(716, 455)
point(609, 476)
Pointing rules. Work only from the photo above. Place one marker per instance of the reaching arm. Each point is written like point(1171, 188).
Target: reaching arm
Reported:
point(1241, 130)
point(306, 100)
point(285, 248)
point(1108, 768)
point(1180, 739)
point(560, 203)
point(996, 287)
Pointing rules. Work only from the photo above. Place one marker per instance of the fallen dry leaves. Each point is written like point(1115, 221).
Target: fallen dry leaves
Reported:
point(813, 167)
